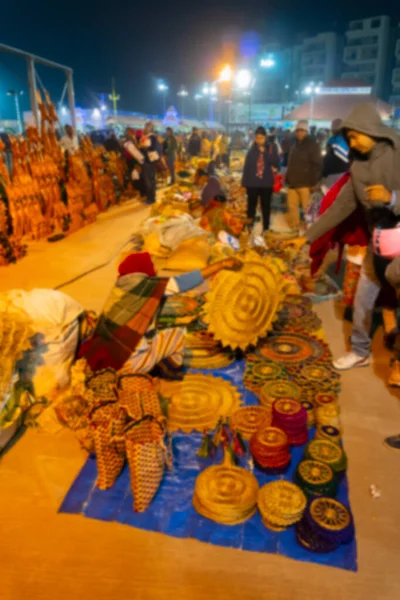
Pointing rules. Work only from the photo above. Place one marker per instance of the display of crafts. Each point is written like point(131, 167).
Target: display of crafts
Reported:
point(253, 419)
point(33, 189)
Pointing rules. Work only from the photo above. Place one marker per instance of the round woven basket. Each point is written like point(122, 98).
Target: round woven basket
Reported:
point(226, 494)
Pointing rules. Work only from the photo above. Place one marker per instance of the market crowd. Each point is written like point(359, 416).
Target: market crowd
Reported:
point(342, 186)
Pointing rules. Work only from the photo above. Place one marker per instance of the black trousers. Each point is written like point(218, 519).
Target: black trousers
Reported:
point(265, 195)
point(148, 181)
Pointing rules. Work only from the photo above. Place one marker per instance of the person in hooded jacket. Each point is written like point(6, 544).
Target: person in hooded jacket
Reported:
point(261, 162)
point(374, 186)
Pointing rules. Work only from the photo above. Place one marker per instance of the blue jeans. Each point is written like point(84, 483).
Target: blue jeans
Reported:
point(364, 303)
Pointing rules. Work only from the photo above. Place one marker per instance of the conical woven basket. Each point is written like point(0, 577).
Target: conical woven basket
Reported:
point(145, 451)
point(138, 396)
point(107, 425)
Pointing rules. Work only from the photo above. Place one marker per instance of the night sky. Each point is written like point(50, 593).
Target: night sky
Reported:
point(138, 42)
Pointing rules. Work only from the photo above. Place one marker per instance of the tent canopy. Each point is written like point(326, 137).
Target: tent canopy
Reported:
point(329, 107)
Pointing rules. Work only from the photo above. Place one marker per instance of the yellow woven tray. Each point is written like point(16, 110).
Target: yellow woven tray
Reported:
point(199, 401)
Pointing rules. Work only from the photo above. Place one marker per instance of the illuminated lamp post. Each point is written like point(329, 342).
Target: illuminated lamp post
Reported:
point(312, 90)
point(183, 93)
point(163, 88)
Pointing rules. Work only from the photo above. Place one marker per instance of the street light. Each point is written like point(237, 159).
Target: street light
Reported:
point(211, 91)
point(197, 98)
point(183, 93)
point(312, 90)
point(267, 63)
point(96, 114)
point(103, 107)
point(245, 82)
point(163, 88)
point(17, 94)
point(226, 74)
point(243, 79)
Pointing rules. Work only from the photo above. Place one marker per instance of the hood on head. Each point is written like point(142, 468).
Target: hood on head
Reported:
point(364, 118)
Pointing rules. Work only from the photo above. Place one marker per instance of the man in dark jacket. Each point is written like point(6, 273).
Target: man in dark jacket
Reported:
point(374, 186)
point(262, 160)
point(303, 173)
point(336, 160)
point(194, 143)
point(170, 150)
point(152, 151)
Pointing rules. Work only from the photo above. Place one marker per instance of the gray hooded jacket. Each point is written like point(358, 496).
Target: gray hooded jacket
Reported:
point(380, 167)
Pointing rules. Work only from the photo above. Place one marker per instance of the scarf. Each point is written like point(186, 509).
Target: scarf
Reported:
point(260, 165)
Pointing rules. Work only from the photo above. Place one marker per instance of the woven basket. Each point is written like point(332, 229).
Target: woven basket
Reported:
point(107, 425)
point(145, 451)
point(138, 396)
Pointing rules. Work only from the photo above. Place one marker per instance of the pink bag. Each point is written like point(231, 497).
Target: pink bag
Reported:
point(386, 242)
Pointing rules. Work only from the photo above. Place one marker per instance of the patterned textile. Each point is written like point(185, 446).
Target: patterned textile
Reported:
point(168, 343)
point(130, 308)
point(218, 219)
point(87, 325)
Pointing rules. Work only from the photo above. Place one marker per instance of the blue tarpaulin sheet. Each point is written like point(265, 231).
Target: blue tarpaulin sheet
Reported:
point(172, 513)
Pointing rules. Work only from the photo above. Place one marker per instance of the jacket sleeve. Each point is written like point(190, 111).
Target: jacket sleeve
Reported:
point(134, 152)
point(273, 156)
point(341, 208)
point(246, 171)
point(315, 158)
point(288, 170)
point(392, 272)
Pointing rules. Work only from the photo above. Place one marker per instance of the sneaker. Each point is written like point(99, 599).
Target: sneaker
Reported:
point(350, 360)
point(392, 442)
point(394, 378)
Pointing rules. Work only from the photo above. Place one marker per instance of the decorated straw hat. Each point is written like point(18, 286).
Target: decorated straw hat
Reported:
point(327, 452)
point(248, 419)
point(281, 504)
point(316, 478)
point(259, 371)
point(326, 524)
point(280, 388)
point(328, 432)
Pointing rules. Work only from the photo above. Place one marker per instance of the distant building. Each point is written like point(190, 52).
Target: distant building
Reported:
point(275, 82)
point(366, 52)
point(395, 75)
point(317, 59)
point(314, 59)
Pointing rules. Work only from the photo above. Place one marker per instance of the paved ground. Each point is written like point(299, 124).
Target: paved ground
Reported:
point(45, 555)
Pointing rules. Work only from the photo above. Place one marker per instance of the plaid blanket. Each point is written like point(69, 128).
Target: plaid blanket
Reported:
point(129, 310)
